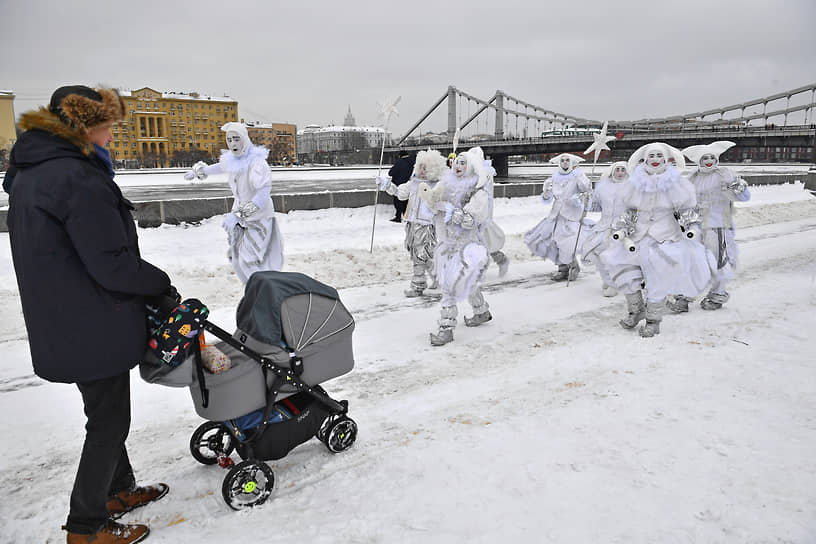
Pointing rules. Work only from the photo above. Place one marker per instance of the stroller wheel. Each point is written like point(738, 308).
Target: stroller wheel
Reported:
point(248, 484)
point(210, 440)
point(341, 434)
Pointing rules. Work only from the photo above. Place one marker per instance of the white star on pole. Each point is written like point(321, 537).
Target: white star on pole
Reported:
point(388, 108)
point(600, 142)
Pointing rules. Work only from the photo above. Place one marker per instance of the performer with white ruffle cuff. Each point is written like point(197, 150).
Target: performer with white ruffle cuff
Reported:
point(717, 188)
point(656, 251)
point(555, 237)
point(606, 198)
point(462, 203)
point(420, 234)
point(255, 241)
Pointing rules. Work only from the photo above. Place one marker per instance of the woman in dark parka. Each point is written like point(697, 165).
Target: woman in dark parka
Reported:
point(82, 287)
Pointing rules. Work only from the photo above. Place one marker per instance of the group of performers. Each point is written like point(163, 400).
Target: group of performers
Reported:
point(662, 238)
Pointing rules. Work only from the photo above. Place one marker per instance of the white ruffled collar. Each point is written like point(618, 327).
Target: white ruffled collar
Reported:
point(230, 163)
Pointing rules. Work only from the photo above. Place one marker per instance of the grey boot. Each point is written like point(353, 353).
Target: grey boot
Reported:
point(635, 309)
point(714, 301)
point(654, 314)
point(677, 304)
point(444, 336)
point(501, 259)
point(562, 274)
point(481, 312)
point(478, 319)
point(413, 292)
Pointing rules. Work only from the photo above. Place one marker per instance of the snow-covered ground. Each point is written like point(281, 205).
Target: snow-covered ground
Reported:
point(548, 424)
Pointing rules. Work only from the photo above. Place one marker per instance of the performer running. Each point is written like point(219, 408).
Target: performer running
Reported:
point(554, 237)
point(255, 242)
point(658, 246)
point(606, 198)
point(717, 189)
point(420, 234)
point(461, 202)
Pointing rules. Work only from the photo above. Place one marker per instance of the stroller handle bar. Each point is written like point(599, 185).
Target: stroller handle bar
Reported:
point(285, 375)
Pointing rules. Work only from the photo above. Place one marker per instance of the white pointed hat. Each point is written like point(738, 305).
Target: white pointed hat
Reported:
point(717, 148)
point(574, 159)
point(608, 172)
point(669, 151)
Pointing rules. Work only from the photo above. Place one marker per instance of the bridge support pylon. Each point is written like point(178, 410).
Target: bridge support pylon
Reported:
point(451, 111)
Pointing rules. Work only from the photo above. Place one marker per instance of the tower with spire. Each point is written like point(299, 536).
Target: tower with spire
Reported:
point(349, 121)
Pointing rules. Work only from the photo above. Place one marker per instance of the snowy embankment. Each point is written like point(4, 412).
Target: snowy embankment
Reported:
point(548, 424)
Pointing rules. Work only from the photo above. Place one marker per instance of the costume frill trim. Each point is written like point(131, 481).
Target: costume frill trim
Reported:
point(639, 192)
point(230, 163)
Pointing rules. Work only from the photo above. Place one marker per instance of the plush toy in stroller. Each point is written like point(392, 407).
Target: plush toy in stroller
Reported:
point(293, 334)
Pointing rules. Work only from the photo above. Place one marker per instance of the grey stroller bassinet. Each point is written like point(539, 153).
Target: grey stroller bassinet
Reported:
point(293, 334)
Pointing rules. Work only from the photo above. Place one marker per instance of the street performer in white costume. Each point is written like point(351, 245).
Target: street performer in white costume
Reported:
point(717, 189)
point(554, 238)
point(255, 242)
point(420, 234)
point(462, 204)
point(606, 198)
point(657, 246)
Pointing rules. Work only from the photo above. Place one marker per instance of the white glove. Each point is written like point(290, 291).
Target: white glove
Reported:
point(383, 182)
point(198, 170)
point(737, 186)
point(229, 223)
point(190, 175)
point(548, 191)
point(457, 216)
point(449, 209)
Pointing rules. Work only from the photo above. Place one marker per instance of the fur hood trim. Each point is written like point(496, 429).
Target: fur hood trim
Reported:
point(86, 114)
point(43, 119)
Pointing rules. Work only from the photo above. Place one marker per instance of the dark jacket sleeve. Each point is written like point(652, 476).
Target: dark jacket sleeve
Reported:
point(93, 220)
point(8, 179)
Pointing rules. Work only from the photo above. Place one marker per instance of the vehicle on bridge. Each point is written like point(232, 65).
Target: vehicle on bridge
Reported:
point(577, 131)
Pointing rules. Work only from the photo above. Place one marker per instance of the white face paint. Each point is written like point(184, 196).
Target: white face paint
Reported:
point(460, 166)
point(565, 164)
point(655, 161)
point(620, 173)
point(234, 143)
point(708, 162)
point(422, 171)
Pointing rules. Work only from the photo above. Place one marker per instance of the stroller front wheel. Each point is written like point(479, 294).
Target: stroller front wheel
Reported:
point(341, 434)
point(209, 441)
point(248, 484)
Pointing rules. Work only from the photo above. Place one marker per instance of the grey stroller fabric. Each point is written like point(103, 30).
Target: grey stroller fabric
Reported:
point(282, 315)
point(258, 312)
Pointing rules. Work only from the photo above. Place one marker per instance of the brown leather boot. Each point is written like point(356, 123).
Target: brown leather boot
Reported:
point(112, 533)
point(125, 501)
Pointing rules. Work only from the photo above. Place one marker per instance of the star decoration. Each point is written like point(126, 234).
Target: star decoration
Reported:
point(600, 142)
point(388, 108)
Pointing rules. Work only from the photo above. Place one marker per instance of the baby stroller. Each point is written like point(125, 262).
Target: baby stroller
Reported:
point(293, 334)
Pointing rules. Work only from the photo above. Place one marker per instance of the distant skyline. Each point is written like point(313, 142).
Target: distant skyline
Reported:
point(307, 63)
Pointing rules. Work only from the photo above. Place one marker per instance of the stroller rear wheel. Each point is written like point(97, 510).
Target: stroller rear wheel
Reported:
point(248, 484)
point(340, 434)
point(209, 441)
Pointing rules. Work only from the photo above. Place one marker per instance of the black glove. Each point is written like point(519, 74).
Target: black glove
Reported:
point(162, 305)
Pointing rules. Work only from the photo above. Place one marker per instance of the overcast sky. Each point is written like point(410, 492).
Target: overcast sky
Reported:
point(307, 62)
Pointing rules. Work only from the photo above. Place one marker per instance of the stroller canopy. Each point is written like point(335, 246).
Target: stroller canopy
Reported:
point(291, 307)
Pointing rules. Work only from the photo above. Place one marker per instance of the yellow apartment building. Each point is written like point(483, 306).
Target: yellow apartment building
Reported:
point(279, 138)
point(161, 126)
point(8, 132)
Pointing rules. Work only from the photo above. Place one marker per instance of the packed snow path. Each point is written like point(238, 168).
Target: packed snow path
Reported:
point(548, 424)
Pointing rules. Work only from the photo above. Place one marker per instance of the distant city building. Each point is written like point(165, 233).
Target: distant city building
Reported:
point(279, 138)
point(165, 128)
point(8, 132)
point(316, 141)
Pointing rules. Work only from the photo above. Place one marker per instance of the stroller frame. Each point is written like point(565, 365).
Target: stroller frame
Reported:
point(250, 482)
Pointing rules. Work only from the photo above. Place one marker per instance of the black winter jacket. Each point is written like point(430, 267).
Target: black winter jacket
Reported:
point(76, 256)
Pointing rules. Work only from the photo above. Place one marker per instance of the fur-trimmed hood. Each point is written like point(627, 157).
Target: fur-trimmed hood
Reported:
point(43, 119)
